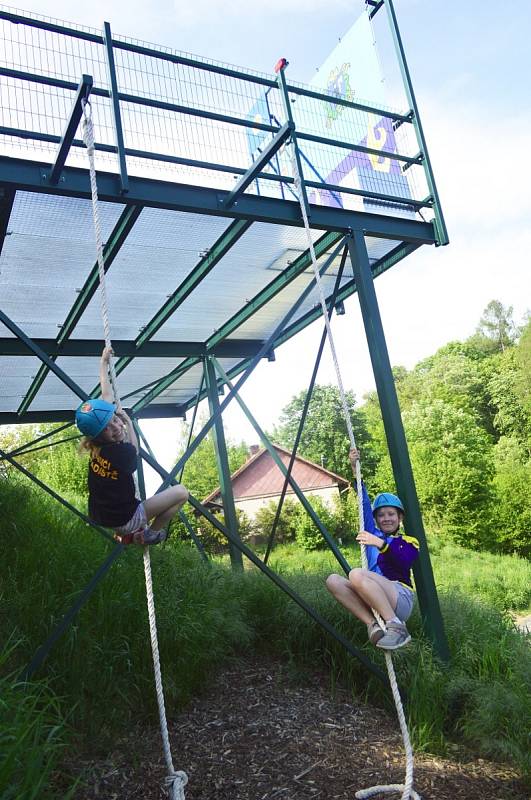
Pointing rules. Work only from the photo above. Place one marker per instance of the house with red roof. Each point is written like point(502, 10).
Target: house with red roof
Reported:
point(259, 481)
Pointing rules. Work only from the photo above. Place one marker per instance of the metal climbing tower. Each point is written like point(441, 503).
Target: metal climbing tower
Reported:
point(207, 266)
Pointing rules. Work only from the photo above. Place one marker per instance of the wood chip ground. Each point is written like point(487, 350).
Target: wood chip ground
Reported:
point(257, 735)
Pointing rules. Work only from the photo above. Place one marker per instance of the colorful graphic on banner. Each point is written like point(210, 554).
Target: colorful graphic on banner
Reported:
point(351, 72)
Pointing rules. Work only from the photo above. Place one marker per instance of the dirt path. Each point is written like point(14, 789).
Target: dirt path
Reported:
point(255, 735)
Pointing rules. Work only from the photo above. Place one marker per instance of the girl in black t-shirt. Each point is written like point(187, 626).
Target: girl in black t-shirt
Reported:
point(112, 443)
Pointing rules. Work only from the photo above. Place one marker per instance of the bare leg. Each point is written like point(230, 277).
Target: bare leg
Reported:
point(384, 585)
point(164, 505)
point(362, 592)
point(344, 593)
point(378, 592)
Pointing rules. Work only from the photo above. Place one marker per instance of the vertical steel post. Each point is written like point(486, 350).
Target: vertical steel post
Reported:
point(113, 91)
point(396, 441)
point(220, 446)
point(440, 225)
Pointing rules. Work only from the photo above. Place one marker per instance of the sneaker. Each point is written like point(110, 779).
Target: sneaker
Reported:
point(374, 632)
point(149, 536)
point(397, 635)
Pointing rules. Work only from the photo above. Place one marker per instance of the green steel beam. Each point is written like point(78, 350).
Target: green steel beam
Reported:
point(69, 616)
point(34, 176)
point(344, 292)
point(286, 588)
point(7, 198)
point(307, 400)
point(229, 348)
point(396, 440)
point(327, 98)
point(280, 464)
point(168, 478)
point(243, 378)
point(227, 239)
point(296, 268)
point(225, 242)
point(440, 225)
point(222, 461)
point(311, 137)
point(117, 238)
point(8, 457)
point(281, 79)
point(194, 537)
point(347, 290)
point(36, 350)
point(22, 448)
point(83, 92)
point(259, 163)
point(156, 411)
point(115, 105)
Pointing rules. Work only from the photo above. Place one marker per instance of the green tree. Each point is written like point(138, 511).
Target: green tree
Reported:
point(55, 461)
point(512, 483)
point(496, 330)
point(452, 460)
point(510, 393)
point(325, 439)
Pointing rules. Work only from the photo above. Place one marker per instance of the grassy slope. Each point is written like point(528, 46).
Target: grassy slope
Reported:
point(103, 662)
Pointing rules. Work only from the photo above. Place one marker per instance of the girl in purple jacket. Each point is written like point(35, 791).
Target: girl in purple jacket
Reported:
point(386, 586)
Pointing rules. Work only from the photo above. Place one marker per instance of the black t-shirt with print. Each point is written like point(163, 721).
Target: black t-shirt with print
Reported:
point(112, 500)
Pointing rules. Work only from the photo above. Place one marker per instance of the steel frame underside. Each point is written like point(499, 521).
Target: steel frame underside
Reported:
point(341, 231)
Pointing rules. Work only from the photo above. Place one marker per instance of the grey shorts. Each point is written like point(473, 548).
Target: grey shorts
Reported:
point(138, 520)
point(405, 602)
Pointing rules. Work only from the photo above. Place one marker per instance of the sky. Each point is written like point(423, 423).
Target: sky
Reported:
point(471, 69)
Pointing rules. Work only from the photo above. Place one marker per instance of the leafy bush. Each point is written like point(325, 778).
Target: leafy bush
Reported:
point(307, 534)
point(513, 487)
point(286, 525)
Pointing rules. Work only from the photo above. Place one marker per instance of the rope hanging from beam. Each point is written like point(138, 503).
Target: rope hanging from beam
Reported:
point(176, 779)
point(406, 789)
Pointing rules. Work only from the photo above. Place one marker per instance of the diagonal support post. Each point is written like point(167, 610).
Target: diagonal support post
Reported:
point(266, 347)
point(83, 92)
point(37, 351)
point(259, 163)
point(168, 479)
point(307, 400)
point(286, 588)
point(294, 485)
point(45, 648)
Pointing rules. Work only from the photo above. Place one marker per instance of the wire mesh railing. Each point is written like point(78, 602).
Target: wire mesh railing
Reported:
point(198, 121)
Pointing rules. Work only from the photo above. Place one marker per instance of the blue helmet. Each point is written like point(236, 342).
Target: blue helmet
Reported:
point(93, 415)
point(387, 499)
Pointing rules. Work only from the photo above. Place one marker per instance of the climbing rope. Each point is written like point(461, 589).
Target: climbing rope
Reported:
point(408, 793)
point(176, 780)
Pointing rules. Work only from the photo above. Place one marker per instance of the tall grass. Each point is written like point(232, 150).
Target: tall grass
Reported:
point(101, 667)
point(32, 739)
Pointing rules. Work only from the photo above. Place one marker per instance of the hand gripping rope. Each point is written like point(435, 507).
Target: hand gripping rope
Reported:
point(408, 793)
point(176, 780)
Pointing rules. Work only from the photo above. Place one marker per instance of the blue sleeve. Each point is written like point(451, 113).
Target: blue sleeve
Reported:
point(368, 518)
point(371, 552)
